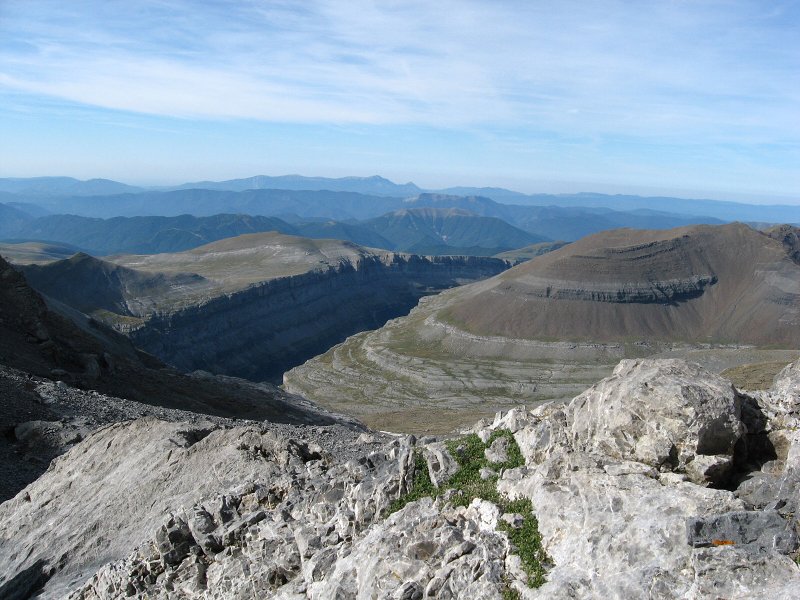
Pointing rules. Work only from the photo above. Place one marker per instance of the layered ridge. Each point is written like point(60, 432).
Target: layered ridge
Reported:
point(720, 284)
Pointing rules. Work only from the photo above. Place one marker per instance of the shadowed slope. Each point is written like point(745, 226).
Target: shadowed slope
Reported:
point(91, 285)
point(38, 340)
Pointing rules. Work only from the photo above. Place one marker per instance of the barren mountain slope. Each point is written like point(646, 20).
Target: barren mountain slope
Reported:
point(528, 252)
point(237, 262)
point(36, 253)
point(789, 236)
point(140, 285)
point(728, 284)
point(101, 288)
point(67, 346)
point(548, 327)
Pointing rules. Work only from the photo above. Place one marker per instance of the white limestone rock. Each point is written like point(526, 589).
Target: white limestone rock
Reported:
point(618, 481)
point(617, 528)
point(663, 413)
point(497, 452)
point(786, 388)
point(441, 466)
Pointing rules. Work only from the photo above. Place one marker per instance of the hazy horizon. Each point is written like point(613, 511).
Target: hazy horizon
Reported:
point(695, 100)
point(549, 188)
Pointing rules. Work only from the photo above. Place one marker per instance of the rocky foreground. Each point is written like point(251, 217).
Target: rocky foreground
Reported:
point(660, 481)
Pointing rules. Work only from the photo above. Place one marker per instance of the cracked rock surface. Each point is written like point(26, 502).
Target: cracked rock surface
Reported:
point(661, 481)
point(622, 511)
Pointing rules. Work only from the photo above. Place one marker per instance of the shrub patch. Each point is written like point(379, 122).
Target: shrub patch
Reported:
point(466, 485)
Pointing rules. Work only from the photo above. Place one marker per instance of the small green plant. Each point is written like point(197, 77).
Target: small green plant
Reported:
point(422, 486)
point(466, 483)
point(508, 593)
point(526, 539)
point(469, 454)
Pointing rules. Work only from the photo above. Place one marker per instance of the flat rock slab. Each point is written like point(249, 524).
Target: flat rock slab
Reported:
point(764, 530)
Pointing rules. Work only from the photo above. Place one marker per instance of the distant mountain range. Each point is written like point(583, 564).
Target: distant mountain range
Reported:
point(444, 228)
point(204, 202)
point(64, 186)
point(12, 218)
point(375, 185)
point(417, 230)
point(440, 230)
point(53, 192)
point(106, 217)
point(144, 235)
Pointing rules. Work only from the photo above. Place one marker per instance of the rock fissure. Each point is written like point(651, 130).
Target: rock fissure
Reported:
point(251, 512)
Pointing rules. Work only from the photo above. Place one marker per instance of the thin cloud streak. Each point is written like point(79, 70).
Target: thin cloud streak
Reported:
point(674, 94)
point(641, 69)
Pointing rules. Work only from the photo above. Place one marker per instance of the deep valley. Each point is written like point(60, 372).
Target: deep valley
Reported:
point(535, 375)
point(252, 306)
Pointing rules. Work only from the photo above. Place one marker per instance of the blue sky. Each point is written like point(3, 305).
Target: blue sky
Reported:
point(694, 98)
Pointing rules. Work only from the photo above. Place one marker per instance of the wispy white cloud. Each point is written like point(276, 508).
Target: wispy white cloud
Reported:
point(725, 70)
point(700, 94)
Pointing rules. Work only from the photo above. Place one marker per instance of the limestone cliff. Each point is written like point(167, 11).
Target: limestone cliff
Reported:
point(255, 305)
point(266, 329)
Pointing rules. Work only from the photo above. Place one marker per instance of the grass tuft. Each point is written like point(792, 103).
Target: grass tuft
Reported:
point(422, 487)
point(526, 540)
point(508, 593)
point(466, 483)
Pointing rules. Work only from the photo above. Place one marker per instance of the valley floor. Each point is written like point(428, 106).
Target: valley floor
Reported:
point(422, 374)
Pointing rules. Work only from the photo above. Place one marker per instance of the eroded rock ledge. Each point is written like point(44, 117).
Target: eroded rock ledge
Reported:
point(657, 291)
point(661, 481)
point(270, 327)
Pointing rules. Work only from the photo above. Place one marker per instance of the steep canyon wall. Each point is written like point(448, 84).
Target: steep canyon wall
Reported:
point(270, 327)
